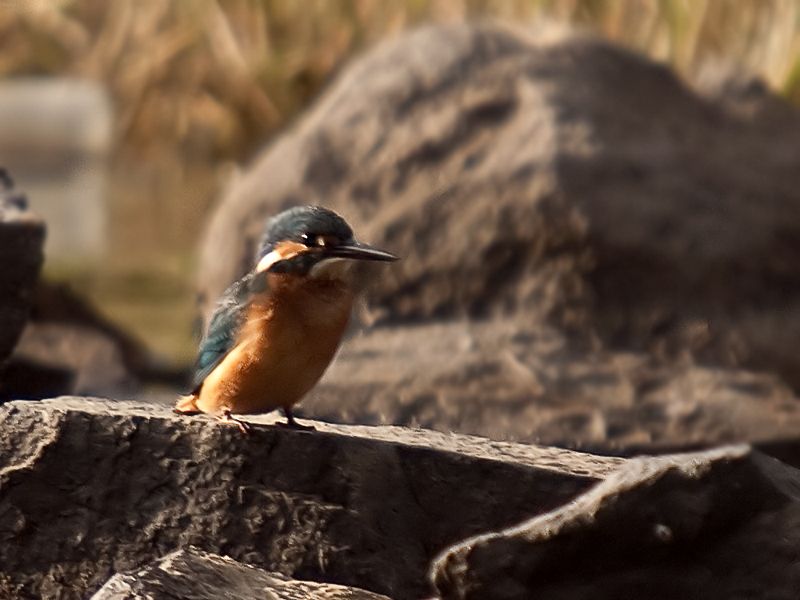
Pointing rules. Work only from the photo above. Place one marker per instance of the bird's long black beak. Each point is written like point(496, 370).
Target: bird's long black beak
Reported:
point(359, 251)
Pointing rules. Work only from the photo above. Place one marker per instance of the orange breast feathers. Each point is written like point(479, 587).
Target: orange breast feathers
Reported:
point(289, 338)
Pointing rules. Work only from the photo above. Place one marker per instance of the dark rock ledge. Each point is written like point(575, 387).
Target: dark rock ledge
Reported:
point(21, 256)
point(90, 488)
point(723, 524)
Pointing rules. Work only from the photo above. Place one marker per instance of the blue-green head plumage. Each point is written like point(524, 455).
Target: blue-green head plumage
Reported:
point(297, 224)
point(324, 233)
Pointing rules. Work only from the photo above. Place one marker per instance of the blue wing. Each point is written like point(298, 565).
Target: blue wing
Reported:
point(222, 329)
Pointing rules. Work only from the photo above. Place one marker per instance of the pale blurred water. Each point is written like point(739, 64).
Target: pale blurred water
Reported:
point(55, 139)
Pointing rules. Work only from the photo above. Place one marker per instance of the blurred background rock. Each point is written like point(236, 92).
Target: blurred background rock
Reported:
point(165, 97)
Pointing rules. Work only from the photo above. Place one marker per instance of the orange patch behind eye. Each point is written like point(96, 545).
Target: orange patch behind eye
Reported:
point(282, 251)
point(289, 249)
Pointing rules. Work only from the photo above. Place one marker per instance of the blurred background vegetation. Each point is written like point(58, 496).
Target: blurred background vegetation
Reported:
point(199, 85)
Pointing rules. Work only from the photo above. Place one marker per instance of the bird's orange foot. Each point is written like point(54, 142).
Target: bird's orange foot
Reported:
point(292, 424)
point(186, 405)
point(229, 419)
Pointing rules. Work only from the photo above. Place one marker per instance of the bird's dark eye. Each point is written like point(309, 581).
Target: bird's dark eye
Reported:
point(310, 239)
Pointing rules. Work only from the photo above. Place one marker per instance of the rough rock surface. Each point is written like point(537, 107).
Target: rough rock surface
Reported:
point(21, 242)
point(492, 379)
point(89, 488)
point(723, 524)
point(535, 175)
point(195, 575)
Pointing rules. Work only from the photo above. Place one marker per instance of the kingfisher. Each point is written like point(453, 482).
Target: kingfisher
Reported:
point(276, 330)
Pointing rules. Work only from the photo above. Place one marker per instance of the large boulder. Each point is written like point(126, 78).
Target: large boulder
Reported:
point(722, 524)
point(21, 241)
point(538, 175)
point(90, 488)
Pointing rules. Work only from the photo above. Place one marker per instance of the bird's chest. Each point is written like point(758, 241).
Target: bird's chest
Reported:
point(296, 332)
point(287, 340)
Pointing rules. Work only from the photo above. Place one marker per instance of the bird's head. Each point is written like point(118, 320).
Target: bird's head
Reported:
point(309, 241)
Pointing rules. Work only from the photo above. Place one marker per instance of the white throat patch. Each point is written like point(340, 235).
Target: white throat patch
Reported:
point(331, 268)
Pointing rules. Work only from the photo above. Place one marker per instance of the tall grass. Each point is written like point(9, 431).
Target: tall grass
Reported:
point(211, 78)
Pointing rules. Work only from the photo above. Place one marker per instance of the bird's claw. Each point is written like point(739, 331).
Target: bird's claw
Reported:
point(296, 426)
point(291, 423)
point(228, 419)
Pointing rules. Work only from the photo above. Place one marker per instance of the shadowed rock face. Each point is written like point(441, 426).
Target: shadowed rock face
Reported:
point(21, 241)
point(196, 575)
point(722, 524)
point(69, 347)
point(89, 488)
point(493, 379)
